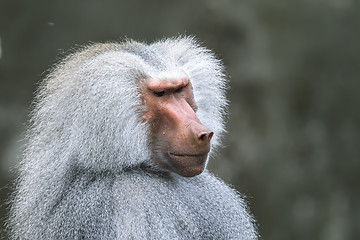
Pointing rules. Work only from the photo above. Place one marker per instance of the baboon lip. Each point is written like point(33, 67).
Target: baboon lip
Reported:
point(187, 155)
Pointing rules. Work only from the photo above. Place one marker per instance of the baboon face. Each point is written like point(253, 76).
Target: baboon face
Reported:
point(180, 143)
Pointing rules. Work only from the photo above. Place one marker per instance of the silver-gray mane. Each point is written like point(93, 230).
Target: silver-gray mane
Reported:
point(86, 171)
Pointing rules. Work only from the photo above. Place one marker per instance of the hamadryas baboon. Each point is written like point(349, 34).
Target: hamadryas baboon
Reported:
point(118, 144)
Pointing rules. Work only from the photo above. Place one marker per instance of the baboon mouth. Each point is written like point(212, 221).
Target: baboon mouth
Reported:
point(187, 155)
point(187, 164)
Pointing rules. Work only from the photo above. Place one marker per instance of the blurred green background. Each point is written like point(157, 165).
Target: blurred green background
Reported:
point(293, 142)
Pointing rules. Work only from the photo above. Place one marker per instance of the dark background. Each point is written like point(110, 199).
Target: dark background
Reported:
point(293, 142)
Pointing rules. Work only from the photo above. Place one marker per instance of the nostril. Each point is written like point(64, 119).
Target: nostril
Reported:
point(210, 135)
point(203, 136)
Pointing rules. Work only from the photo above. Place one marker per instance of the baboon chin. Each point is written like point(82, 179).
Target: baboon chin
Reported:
point(118, 144)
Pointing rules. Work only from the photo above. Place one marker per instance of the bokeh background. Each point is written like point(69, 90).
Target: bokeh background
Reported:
point(293, 142)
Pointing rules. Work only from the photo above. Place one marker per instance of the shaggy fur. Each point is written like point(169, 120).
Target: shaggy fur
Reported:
point(87, 172)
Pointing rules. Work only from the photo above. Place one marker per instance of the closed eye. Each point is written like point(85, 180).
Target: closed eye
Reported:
point(159, 93)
